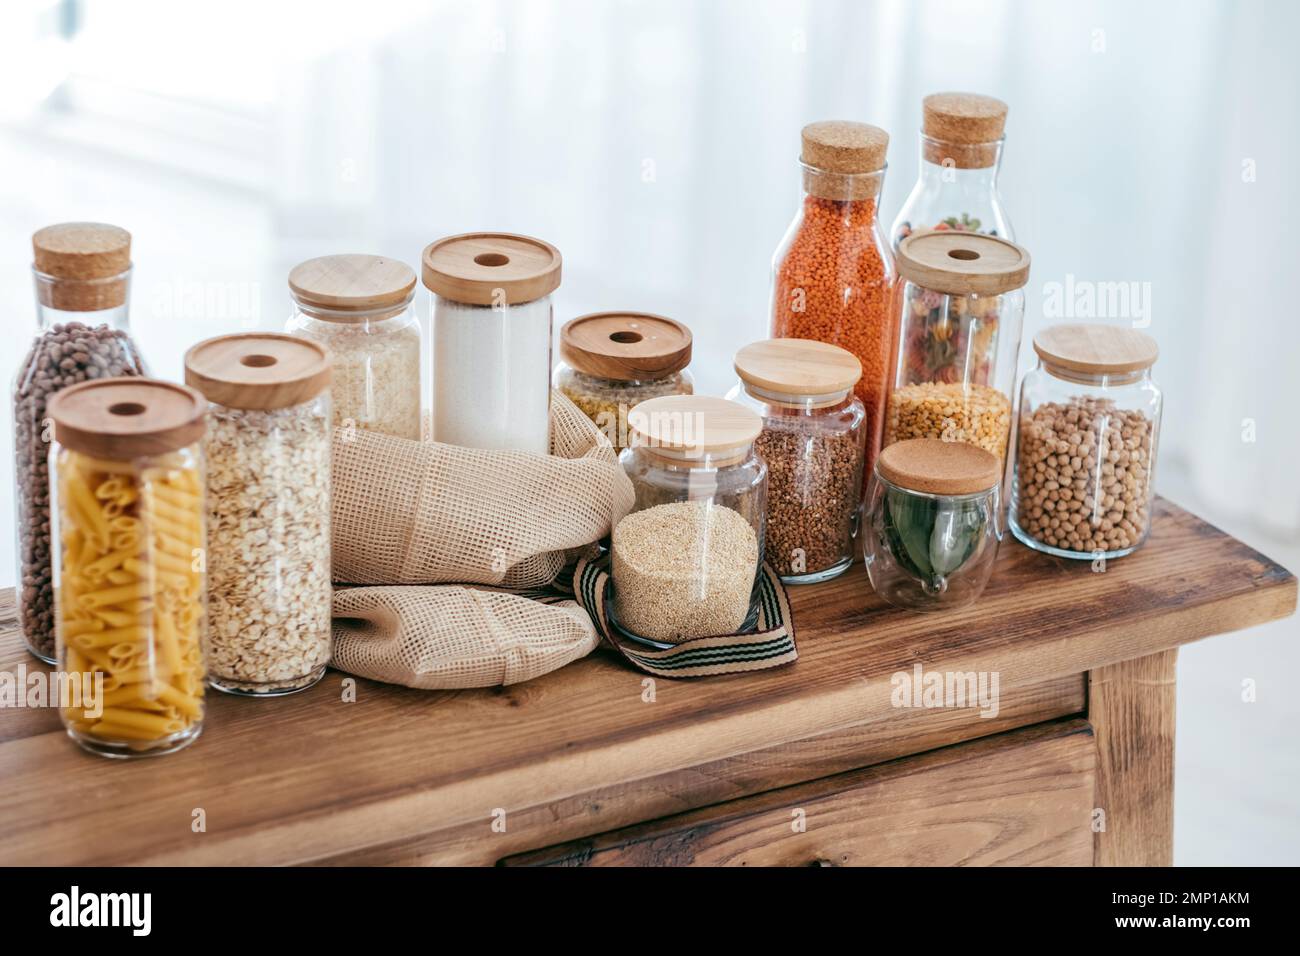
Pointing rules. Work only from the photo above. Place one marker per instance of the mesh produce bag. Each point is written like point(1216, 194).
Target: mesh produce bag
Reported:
point(408, 515)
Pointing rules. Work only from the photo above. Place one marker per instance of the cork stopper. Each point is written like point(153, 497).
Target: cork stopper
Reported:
point(1088, 349)
point(693, 425)
point(491, 268)
point(626, 346)
point(962, 263)
point(125, 418)
point(936, 467)
point(258, 370)
point(352, 288)
point(963, 129)
point(87, 264)
point(798, 367)
point(839, 155)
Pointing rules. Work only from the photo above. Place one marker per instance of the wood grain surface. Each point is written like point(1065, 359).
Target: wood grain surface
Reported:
point(414, 776)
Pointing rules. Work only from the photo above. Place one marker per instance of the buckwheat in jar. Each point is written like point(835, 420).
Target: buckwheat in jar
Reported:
point(268, 509)
point(1088, 430)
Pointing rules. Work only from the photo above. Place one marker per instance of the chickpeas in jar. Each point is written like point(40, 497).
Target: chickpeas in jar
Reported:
point(1086, 445)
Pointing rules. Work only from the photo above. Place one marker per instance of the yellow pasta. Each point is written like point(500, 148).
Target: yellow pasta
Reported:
point(129, 600)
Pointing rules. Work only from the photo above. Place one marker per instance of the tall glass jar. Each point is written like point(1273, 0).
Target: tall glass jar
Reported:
point(612, 361)
point(492, 339)
point(833, 274)
point(359, 307)
point(685, 563)
point(934, 522)
point(813, 440)
point(82, 273)
point(960, 307)
point(127, 490)
point(961, 152)
point(268, 499)
point(1086, 450)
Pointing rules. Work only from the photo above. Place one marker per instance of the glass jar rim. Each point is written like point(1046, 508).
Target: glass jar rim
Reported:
point(1000, 141)
point(387, 311)
point(1098, 379)
point(965, 496)
point(797, 399)
point(820, 171)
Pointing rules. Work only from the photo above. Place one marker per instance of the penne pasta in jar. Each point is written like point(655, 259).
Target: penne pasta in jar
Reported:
point(126, 472)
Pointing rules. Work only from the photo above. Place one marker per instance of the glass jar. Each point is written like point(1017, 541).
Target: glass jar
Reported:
point(268, 510)
point(934, 521)
point(82, 273)
point(813, 440)
point(960, 307)
point(685, 563)
point(492, 339)
point(611, 361)
point(961, 152)
point(359, 307)
point(127, 490)
point(833, 274)
point(1086, 444)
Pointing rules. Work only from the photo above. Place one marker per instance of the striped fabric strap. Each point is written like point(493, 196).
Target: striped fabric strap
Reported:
point(771, 644)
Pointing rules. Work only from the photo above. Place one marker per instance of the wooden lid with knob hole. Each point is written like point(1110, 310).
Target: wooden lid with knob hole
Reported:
point(963, 263)
point(937, 467)
point(89, 260)
point(1096, 349)
point(258, 370)
point(626, 346)
point(798, 367)
point(124, 418)
point(351, 287)
point(491, 268)
point(693, 424)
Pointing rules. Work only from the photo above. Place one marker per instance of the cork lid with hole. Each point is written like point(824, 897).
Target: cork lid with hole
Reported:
point(969, 125)
point(798, 367)
point(693, 423)
point(963, 263)
point(626, 346)
point(258, 370)
point(1096, 349)
point(89, 260)
point(937, 467)
point(491, 268)
point(124, 418)
point(351, 287)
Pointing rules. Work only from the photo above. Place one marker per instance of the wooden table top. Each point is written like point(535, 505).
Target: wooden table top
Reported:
point(402, 775)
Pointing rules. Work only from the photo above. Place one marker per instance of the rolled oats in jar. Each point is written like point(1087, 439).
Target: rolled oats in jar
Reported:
point(268, 487)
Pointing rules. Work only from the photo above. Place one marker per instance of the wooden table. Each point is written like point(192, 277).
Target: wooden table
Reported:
point(596, 764)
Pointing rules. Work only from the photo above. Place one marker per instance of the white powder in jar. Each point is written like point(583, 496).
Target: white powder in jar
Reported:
point(376, 382)
point(492, 373)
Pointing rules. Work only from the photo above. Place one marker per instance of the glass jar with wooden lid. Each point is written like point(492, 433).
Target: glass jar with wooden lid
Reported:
point(813, 441)
point(359, 307)
point(685, 562)
point(612, 361)
point(268, 509)
point(959, 306)
point(1088, 430)
point(128, 502)
point(934, 522)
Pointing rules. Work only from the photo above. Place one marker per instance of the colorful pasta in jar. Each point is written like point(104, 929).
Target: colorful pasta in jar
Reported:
point(129, 577)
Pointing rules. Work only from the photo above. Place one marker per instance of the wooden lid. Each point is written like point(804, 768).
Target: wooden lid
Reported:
point(258, 370)
point(89, 259)
point(695, 424)
point(626, 346)
point(963, 263)
point(965, 118)
point(798, 367)
point(840, 146)
point(1096, 349)
point(937, 467)
point(352, 284)
point(124, 418)
point(471, 268)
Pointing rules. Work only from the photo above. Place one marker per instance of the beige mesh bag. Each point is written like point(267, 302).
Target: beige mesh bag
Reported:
point(408, 513)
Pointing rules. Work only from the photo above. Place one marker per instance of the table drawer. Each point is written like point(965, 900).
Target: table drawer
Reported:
point(1024, 798)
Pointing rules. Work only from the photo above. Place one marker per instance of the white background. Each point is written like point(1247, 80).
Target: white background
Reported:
point(655, 144)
